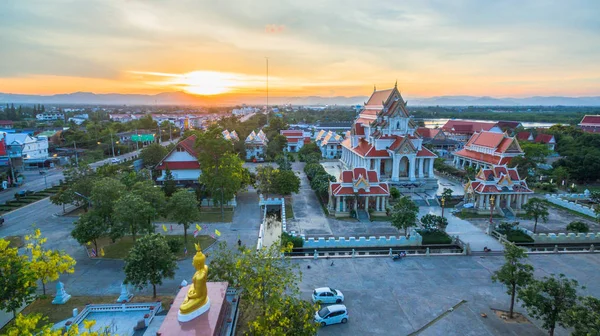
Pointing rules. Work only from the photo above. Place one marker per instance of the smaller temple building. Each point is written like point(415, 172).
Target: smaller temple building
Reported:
point(499, 187)
point(436, 139)
point(330, 144)
point(358, 189)
point(296, 139)
point(231, 136)
point(183, 163)
point(256, 146)
point(487, 149)
point(590, 124)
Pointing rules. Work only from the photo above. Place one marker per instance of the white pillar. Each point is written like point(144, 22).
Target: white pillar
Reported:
point(377, 201)
point(411, 168)
point(395, 168)
point(480, 201)
point(431, 161)
point(367, 204)
point(421, 167)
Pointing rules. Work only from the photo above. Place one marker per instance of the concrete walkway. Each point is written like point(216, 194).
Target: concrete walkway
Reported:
point(466, 231)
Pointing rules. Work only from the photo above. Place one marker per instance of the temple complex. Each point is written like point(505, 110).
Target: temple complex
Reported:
point(358, 189)
point(487, 149)
point(256, 146)
point(330, 144)
point(383, 139)
point(499, 188)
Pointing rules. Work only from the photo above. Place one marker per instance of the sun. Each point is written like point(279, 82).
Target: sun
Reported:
point(207, 82)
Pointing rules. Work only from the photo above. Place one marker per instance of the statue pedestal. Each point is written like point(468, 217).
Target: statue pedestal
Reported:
point(209, 322)
point(188, 317)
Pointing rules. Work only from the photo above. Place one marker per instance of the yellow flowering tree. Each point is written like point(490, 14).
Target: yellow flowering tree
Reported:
point(47, 264)
point(18, 281)
point(27, 325)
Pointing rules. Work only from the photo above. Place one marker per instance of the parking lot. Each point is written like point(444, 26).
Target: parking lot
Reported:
point(397, 298)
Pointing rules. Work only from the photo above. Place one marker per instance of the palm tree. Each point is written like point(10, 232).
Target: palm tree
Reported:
point(536, 209)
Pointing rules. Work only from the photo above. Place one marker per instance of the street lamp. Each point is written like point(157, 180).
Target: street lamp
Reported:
point(443, 202)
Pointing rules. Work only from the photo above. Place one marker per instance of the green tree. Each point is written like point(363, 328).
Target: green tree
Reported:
point(269, 289)
point(183, 208)
point(276, 125)
point(513, 274)
point(27, 325)
point(265, 180)
point(404, 214)
point(104, 195)
point(536, 209)
point(560, 174)
point(578, 227)
point(148, 191)
point(18, 281)
point(549, 300)
point(133, 214)
point(447, 193)
point(63, 197)
point(47, 264)
point(225, 180)
point(536, 152)
point(283, 162)
point(523, 164)
point(276, 145)
point(584, 317)
point(433, 222)
point(89, 228)
point(169, 183)
point(286, 182)
point(152, 154)
point(320, 183)
point(149, 262)
point(395, 193)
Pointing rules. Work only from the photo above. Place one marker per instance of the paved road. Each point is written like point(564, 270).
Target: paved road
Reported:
point(36, 182)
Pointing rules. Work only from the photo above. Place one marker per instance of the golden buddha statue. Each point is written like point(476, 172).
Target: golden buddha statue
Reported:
point(196, 301)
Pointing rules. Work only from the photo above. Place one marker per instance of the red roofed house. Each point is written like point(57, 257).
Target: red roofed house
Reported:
point(383, 139)
point(462, 130)
point(525, 136)
point(296, 139)
point(6, 124)
point(358, 189)
point(183, 163)
point(499, 187)
point(487, 149)
point(590, 124)
point(547, 139)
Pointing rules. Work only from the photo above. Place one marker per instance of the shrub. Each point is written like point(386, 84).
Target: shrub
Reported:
point(288, 238)
point(395, 193)
point(579, 227)
point(435, 237)
point(175, 245)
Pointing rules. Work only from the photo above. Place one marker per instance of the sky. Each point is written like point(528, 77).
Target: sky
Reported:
point(500, 48)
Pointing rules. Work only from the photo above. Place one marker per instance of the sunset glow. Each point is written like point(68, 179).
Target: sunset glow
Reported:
point(431, 49)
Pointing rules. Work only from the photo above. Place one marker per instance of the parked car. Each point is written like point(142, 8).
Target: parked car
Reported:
point(115, 160)
point(331, 315)
point(327, 295)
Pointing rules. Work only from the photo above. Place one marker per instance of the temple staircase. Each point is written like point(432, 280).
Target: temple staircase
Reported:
point(362, 216)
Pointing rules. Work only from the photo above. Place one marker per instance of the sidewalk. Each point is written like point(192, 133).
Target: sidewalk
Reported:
point(466, 231)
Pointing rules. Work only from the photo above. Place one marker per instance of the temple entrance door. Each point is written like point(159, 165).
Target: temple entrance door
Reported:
point(503, 200)
point(361, 203)
point(403, 167)
point(382, 168)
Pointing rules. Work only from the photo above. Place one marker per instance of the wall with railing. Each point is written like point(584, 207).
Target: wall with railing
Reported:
point(560, 238)
point(372, 241)
point(559, 200)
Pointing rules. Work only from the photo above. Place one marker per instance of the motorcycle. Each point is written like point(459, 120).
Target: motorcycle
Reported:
point(399, 256)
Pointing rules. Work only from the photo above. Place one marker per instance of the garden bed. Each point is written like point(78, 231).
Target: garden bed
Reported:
point(435, 237)
point(518, 236)
point(289, 210)
point(120, 248)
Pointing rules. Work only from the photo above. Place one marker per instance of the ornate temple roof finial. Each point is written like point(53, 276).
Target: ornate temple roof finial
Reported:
point(396, 84)
point(374, 88)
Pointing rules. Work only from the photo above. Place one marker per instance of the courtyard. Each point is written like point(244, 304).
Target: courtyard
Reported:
point(386, 297)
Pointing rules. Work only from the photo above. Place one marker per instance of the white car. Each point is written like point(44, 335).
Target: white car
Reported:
point(331, 315)
point(115, 160)
point(327, 295)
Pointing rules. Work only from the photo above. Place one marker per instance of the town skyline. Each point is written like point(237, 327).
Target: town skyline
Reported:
point(504, 49)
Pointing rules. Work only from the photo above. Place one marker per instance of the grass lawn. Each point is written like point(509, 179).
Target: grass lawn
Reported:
point(121, 247)
point(289, 210)
point(380, 218)
point(435, 237)
point(518, 236)
point(215, 217)
point(466, 214)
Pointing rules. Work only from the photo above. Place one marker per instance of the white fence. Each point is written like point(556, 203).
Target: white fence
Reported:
point(393, 241)
point(558, 200)
point(556, 238)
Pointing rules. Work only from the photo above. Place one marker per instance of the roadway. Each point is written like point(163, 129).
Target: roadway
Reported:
point(36, 182)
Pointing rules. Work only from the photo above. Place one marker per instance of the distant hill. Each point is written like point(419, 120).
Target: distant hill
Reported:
point(182, 98)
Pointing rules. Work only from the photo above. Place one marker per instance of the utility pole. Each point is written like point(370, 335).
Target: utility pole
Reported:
point(112, 144)
point(137, 146)
point(267, 90)
point(170, 132)
point(76, 157)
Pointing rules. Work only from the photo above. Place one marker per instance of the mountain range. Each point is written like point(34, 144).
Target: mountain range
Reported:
point(182, 98)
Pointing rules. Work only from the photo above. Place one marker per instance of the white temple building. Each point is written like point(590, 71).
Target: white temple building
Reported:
point(383, 139)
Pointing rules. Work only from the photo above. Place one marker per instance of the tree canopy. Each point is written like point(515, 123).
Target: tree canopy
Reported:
point(513, 274)
point(183, 209)
point(18, 280)
point(536, 209)
point(404, 214)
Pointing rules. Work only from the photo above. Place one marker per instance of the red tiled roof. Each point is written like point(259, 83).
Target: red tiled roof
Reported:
point(487, 139)
point(379, 96)
point(364, 121)
point(189, 144)
point(424, 152)
point(544, 138)
point(6, 122)
point(463, 126)
point(481, 157)
point(349, 176)
point(179, 165)
point(306, 140)
point(427, 132)
point(337, 190)
point(523, 136)
point(591, 119)
point(291, 133)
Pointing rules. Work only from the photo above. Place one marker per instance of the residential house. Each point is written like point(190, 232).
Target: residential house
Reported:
point(497, 189)
point(487, 149)
point(590, 124)
point(383, 139)
point(509, 126)
point(183, 163)
point(25, 150)
point(231, 136)
point(50, 116)
point(547, 139)
point(6, 124)
point(256, 146)
point(358, 190)
point(525, 136)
